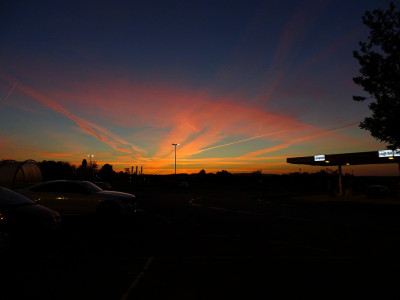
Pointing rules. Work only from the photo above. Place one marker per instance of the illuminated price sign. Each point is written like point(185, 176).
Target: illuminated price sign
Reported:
point(389, 153)
point(385, 153)
point(320, 157)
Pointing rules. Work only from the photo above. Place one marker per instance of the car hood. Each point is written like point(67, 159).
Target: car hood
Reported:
point(114, 194)
point(33, 212)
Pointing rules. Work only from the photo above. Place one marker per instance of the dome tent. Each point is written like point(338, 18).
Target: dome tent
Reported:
point(15, 174)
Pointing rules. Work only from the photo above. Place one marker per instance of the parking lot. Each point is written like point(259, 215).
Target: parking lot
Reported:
point(193, 250)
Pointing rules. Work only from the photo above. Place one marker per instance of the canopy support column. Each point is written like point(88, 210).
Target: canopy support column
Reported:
point(340, 181)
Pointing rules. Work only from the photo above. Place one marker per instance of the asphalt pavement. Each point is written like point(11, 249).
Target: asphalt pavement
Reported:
point(303, 248)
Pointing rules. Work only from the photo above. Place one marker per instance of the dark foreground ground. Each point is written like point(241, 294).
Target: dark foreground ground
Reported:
point(187, 247)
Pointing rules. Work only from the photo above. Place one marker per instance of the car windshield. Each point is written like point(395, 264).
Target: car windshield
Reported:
point(91, 187)
point(9, 197)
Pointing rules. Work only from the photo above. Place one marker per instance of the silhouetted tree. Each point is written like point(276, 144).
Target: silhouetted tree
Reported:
point(87, 171)
point(379, 58)
point(93, 165)
point(224, 175)
point(106, 172)
point(257, 175)
point(56, 170)
point(84, 163)
point(202, 172)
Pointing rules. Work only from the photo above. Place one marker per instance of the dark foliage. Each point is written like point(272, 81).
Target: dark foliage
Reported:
point(379, 59)
point(106, 172)
point(52, 170)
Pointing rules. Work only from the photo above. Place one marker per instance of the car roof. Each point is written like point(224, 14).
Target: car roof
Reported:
point(61, 180)
point(55, 181)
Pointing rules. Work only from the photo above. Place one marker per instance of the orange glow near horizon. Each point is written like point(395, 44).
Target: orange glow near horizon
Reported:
point(203, 128)
point(262, 83)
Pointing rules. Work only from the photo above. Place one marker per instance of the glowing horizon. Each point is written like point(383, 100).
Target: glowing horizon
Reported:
point(261, 83)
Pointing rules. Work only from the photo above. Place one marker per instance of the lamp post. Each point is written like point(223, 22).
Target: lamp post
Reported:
point(175, 155)
point(90, 159)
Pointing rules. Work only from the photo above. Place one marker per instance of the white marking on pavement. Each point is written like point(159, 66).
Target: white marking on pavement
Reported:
point(137, 279)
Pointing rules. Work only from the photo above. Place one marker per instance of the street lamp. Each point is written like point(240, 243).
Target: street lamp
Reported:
point(90, 159)
point(175, 155)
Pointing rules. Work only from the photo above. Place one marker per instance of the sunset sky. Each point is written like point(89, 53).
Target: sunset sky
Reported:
point(240, 85)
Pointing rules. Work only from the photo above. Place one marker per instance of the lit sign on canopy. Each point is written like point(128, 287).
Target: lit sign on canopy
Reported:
point(385, 153)
point(320, 157)
point(389, 153)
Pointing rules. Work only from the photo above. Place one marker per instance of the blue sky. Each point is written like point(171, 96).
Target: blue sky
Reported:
point(240, 85)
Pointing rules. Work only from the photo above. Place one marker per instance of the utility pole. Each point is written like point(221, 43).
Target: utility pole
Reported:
point(175, 155)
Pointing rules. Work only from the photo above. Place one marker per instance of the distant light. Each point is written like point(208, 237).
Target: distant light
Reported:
point(327, 161)
point(391, 157)
point(347, 164)
point(320, 157)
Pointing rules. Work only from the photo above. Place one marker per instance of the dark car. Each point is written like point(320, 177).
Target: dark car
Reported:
point(71, 197)
point(103, 185)
point(20, 215)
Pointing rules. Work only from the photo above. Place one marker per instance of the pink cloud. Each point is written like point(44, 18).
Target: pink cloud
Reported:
point(196, 120)
point(100, 133)
point(159, 115)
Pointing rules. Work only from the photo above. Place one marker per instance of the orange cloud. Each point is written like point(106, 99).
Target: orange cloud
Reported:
point(155, 116)
point(195, 120)
point(57, 155)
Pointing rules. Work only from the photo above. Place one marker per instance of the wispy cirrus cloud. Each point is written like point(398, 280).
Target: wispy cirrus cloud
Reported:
point(10, 92)
point(57, 155)
point(196, 120)
point(300, 139)
point(98, 132)
point(237, 142)
point(200, 122)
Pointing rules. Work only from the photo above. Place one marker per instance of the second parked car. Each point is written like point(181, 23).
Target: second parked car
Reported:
point(80, 197)
point(22, 216)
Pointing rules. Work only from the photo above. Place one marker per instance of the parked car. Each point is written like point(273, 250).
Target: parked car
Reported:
point(103, 185)
point(20, 215)
point(81, 197)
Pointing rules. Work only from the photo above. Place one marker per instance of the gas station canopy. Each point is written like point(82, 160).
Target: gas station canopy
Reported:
point(346, 159)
